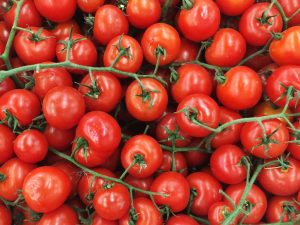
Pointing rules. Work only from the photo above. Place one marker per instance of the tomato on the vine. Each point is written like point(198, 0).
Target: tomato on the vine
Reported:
point(294, 147)
point(182, 219)
point(218, 212)
point(62, 30)
point(289, 8)
point(6, 85)
point(59, 139)
point(234, 7)
point(90, 6)
point(7, 138)
point(5, 215)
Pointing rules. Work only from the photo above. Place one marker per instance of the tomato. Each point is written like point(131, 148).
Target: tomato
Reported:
point(196, 109)
point(46, 188)
point(82, 52)
point(281, 180)
point(88, 158)
point(255, 203)
point(16, 63)
point(175, 186)
point(227, 165)
point(63, 107)
point(133, 58)
point(188, 51)
point(173, 2)
point(13, 173)
point(227, 49)
point(109, 23)
point(4, 32)
point(7, 138)
point(218, 211)
point(161, 39)
point(256, 28)
point(278, 211)
point(143, 13)
point(234, 7)
point(258, 62)
point(6, 85)
point(195, 159)
point(289, 8)
point(59, 139)
point(2, 49)
point(180, 163)
point(97, 220)
point(89, 6)
point(62, 30)
point(3, 5)
point(63, 215)
point(5, 216)
point(192, 79)
point(147, 154)
point(28, 17)
point(113, 161)
point(142, 183)
point(181, 219)
point(294, 148)
point(147, 213)
point(147, 103)
point(56, 10)
point(31, 146)
point(112, 201)
point(269, 147)
point(46, 79)
point(22, 104)
point(207, 189)
point(242, 88)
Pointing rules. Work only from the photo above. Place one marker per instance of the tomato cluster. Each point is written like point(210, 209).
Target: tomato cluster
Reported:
point(149, 112)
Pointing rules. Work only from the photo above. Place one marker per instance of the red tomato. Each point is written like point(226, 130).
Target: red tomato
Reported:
point(6, 85)
point(3, 5)
point(175, 186)
point(188, 51)
point(192, 79)
point(59, 139)
point(62, 30)
point(5, 216)
point(88, 158)
point(258, 62)
point(89, 6)
point(173, 2)
point(46, 188)
point(142, 183)
point(56, 10)
point(207, 22)
point(242, 88)
point(4, 32)
point(109, 23)
point(97, 220)
point(218, 211)
point(161, 39)
point(269, 147)
point(207, 113)
point(143, 13)
point(227, 49)
point(63, 107)
point(195, 158)
point(180, 163)
point(294, 148)
point(16, 63)
point(181, 219)
point(7, 138)
point(289, 8)
point(234, 7)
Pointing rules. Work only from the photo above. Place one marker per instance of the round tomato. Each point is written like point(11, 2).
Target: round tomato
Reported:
point(2, 49)
point(289, 8)
point(59, 139)
point(259, 61)
point(188, 51)
point(7, 138)
point(218, 211)
point(88, 157)
point(4, 32)
point(142, 183)
point(98, 220)
point(89, 6)
point(179, 162)
point(62, 30)
point(5, 216)
point(234, 7)
point(293, 147)
point(6, 85)
point(181, 219)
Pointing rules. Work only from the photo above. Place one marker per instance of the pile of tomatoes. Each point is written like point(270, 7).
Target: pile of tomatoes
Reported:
point(149, 112)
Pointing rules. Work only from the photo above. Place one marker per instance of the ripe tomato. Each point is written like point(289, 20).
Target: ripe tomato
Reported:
point(290, 7)
point(143, 13)
point(255, 204)
point(5, 216)
point(56, 10)
point(6, 85)
point(242, 88)
point(281, 180)
point(258, 62)
point(207, 22)
point(88, 157)
point(234, 7)
point(35, 47)
point(269, 147)
point(7, 138)
point(147, 153)
point(218, 211)
point(188, 51)
point(4, 32)
point(89, 6)
point(161, 39)
point(175, 186)
point(173, 2)
point(180, 163)
point(59, 139)
point(98, 220)
point(63, 107)
point(207, 189)
point(142, 183)
point(109, 23)
point(22, 104)
point(146, 213)
point(195, 159)
point(13, 172)
point(46, 188)
point(192, 79)
point(227, 49)
point(181, 219)
point(132, 59)
point(196, 109)
point(256, 28)
point(147, 103)
point(294, 148)
point(62, 30)
point(28, 17)
point(112, 201)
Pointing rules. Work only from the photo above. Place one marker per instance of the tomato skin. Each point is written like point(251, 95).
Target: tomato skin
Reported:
point(15, 171)
point(234, 7)
point(56, 10)
point(227, 49)
point(258, 62)
point(216, 213)
point(192, 79)
point(112, 203)
point(5, 216)
point(241, 90)
point(143, 110)
point(89, 6)
point(251, 136)
point(165, 36)
point(59, 139)
point(173, 2)
point(143, 183)
point(188, 51)
point(181, 219)
point(143, 13)
point(180, 163)
point(63, 30)
point(148, 148)
point(29, 16)
point(46, 188)
point(255, 196)
point(146, 211)
point(32, 52)
point(294, 148)
point(196, 158)
point(109, 23)
point(254, 32)
point(7, 138)
point(129, 63)
point(4, 32)
point(22, 104)
point(176, 186)
point(280, 181)
point(90, 158)
point(289, 7)
point(207, 188)
point(6, 85)
point(63, 107)
point(209, 114)
point(98, 220)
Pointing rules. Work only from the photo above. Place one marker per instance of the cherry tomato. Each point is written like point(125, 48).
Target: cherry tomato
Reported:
point(289, 8)
point(294, 148)
point(62, 30)
point(180, 163)
point(4, 32)
point(195, 158)
point(88, 158)
point(5, 216)
point(89, 6)
point(181, 219)
point(234, 7)
point(142, 183)
point(98, 220)
point(6, 85)
point(59, 139)
point(188, 51)
point(7, 138)
point(259, 61)
point(218, 211)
